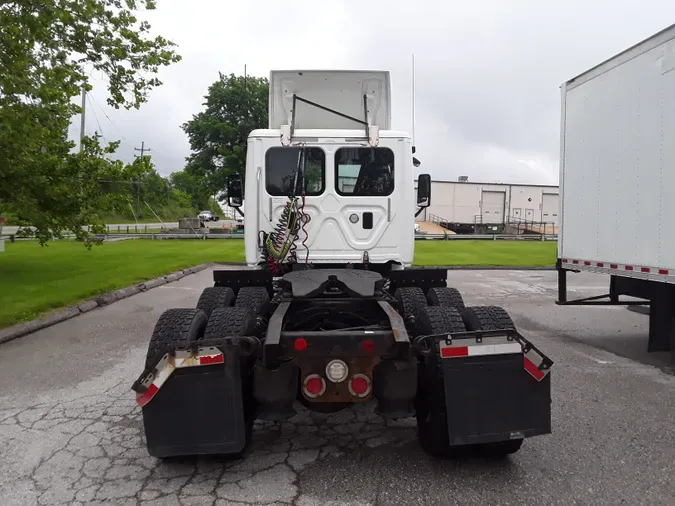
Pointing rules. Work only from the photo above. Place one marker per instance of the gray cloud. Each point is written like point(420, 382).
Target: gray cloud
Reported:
point(487, 72)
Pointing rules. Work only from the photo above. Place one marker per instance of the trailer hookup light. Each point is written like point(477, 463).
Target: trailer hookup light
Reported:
point(314, 386)
point(337, 371)
point(359, 385)
point(368, 346)
point(300, 344)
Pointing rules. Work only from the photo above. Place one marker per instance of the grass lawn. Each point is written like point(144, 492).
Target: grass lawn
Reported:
point(34, 280)
point(488, 253)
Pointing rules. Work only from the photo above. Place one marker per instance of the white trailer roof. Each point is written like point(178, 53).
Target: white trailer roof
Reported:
point(632, 52)
point(340, 90)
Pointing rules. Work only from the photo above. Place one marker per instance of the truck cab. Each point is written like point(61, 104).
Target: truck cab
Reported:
point(332, 130)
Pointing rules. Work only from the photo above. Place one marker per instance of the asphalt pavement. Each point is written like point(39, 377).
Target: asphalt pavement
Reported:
point(71, 433)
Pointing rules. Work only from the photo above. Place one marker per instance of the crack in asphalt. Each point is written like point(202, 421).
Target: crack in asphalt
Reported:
point(91, 450)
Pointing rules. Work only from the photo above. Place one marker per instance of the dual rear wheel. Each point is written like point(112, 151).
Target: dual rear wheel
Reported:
point(442, 310)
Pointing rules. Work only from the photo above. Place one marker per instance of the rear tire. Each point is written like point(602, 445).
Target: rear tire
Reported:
point(175, 328)
point(501, 449)
point(445, 296)
point(254, 297)
point(233, 322)
point(215, 297)
point(410, 300)
point(487, 318)
point(430, 405)
point(230, 322)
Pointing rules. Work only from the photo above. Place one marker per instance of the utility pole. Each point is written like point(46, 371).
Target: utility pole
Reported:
point(138, 183)
point(84, 105)
point(141, 149)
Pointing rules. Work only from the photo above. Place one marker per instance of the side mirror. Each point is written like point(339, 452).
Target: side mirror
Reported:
point(424, 190)
point(235, 191)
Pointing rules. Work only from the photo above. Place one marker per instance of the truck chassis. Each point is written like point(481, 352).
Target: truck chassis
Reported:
point(329, 338)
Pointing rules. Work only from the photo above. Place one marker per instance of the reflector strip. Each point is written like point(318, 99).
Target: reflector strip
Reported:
point(449, 351)
point(160, 379)
point(618, 267)
point(169, 363)
point(212, 359)
point(533, 369)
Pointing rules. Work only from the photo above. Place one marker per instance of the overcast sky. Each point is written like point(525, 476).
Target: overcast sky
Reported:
point(488, 72)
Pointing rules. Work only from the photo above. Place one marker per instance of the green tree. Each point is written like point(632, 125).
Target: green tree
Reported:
point(47, 50)
point(235, 105)
point(192, 185)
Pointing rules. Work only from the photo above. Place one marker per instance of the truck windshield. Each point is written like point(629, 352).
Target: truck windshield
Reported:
point(366, 172)
point(281, 166)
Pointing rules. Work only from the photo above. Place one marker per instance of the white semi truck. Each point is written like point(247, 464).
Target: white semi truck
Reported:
point(329, 311)
point(617, 172)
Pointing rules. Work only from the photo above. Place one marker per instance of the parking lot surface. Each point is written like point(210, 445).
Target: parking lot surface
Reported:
point(71, 433)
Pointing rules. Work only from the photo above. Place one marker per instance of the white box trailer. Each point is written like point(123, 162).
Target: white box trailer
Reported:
point(617, 172)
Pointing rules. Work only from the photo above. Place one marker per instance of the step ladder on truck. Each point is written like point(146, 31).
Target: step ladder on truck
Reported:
point(329, 311)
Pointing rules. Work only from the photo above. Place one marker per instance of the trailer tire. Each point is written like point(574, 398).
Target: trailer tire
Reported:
point(445, 296)
point(254, 297)
point(410, 300)
point(215, 297)
point(487, 318)
point(430, 404)
point(175, 328)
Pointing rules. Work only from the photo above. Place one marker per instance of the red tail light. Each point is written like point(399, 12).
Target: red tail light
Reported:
point(300, 344)
point(359, 385)
point(314, 386)
point(368, 346)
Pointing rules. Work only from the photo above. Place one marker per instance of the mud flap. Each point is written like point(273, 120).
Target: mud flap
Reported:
point(195, 410)
point(497, 387)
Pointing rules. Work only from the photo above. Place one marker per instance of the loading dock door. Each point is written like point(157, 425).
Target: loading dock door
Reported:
point(492, 206)
point(549, 208)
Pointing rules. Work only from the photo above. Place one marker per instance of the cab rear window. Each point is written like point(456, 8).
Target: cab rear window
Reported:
point(281, 171)
point(364, 172)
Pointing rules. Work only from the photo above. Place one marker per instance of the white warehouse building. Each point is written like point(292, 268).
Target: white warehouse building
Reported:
point(470, 203)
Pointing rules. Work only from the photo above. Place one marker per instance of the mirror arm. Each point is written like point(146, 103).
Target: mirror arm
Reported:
point(419, 211)
point(239, 211)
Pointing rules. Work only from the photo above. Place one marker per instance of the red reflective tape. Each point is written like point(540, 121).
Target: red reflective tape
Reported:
point(575, 261)
point(212, 359)
point(663, 271)
point(145, 397)
point(587, 262)
point(645, 269)
point(455, 351)
point(600, 264)
point(629, 267)
point(533, 369)
point(613, 266)
point(565, 260)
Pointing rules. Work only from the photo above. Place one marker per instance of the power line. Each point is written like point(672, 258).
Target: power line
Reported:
point(96, 118)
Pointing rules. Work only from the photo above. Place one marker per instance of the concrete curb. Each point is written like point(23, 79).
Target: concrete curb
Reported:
point(23, 329)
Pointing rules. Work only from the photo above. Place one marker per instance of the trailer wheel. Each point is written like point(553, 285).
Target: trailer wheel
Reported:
point(487, 318)
point(445, 296)
point(214, 297)
point(430, 405)
point(254, 297)
point(410, 300)
point(175, 328)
